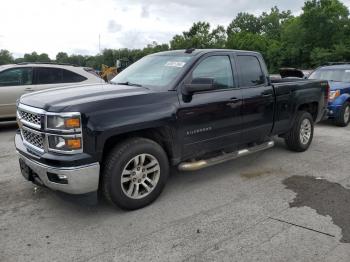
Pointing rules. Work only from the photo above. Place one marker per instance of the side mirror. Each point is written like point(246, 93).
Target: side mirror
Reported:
point(198, 85)
point(268, 79)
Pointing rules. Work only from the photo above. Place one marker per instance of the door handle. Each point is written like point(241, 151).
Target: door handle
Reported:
point(266, 94)
point(29, 89)
point(235, 99)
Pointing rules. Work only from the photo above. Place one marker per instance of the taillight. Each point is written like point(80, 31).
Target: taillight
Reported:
point(326, 97)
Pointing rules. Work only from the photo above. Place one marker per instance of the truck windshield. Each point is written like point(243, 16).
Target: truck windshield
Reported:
point(154, 72)
point(339, 75)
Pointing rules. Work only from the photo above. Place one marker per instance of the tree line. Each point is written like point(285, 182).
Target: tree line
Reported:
point(321, 33)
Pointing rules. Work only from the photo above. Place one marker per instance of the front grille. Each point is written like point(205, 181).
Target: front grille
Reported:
point(30, 117)
point(34, 139)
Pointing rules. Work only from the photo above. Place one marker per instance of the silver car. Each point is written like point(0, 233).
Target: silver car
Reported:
point(19, 79)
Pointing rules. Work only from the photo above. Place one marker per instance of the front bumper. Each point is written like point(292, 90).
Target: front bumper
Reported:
point(75, 174)
point(334, 110)
point(72, 180)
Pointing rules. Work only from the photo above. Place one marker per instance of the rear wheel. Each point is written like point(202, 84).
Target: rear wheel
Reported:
point(135, 173)
point(300, 136)
point(343, 117)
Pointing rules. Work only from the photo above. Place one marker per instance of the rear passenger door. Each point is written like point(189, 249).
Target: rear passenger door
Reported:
point(49, 77)
point(258, 98)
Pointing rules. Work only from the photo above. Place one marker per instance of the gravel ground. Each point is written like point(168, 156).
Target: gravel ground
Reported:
point(272, 206)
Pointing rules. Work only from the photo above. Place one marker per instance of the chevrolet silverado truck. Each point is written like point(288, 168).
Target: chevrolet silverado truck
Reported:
point(186, 108)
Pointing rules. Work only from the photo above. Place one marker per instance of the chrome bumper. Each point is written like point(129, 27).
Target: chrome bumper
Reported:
point(78, 180)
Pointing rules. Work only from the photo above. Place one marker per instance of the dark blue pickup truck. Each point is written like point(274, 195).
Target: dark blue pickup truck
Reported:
point(339, 98)
point(186, 108)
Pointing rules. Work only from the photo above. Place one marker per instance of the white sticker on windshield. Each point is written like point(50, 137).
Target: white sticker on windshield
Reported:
point(347, 71)
point(175, 64)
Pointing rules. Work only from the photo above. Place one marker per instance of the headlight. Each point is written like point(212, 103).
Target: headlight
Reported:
point(65, 133)
point(69, 122)
point(333, 95)
point(65, 144)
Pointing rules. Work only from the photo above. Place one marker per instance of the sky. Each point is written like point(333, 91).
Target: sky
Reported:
point(74, 26)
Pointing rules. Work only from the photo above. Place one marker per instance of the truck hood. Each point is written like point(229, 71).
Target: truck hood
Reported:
point(338, 85)
point(59, 99)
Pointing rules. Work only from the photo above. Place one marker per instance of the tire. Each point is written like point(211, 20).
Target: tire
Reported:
point(144, 167)
point(300, 136)
point(343, 117)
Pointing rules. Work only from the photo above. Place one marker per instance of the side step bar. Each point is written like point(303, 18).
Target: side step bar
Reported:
point(193, 166)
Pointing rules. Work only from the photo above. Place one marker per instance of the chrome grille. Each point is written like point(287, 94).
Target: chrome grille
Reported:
point(35, 139)
point(32, 118)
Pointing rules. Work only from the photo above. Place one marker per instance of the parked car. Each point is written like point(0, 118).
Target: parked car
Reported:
point(338, 77)
point(188, 108)
point(19, 79)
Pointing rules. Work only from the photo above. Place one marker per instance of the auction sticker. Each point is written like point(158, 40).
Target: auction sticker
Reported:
point(175, 64)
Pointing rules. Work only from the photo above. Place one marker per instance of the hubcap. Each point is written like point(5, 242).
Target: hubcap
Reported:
point(305, 131)
point(140, 176)
point(347, 114)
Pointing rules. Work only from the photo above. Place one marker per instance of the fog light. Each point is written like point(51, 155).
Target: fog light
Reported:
point(64, 143)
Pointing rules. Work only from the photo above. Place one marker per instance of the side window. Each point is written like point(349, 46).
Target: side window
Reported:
point(48, 75)
point(251, 72)
point(71, 77)
point(16, 77)
point(216, 67)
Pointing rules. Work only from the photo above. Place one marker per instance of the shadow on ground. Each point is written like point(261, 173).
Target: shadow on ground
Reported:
point(7, 126)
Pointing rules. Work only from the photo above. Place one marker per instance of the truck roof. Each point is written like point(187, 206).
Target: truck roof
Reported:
point(195, 52)
point(342, 66)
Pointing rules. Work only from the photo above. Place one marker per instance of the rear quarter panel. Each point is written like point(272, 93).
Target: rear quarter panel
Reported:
point(291, 95)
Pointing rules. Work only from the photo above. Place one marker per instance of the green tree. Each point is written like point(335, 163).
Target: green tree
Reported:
point(248, 41)
point(62, 57)
point(292, 53)
point(200, 35)
point(5, 57)
point(33, 57)
point(245, 22)
point(271, 23)
point(78, 60)
point(325, 23)
point(43, 58)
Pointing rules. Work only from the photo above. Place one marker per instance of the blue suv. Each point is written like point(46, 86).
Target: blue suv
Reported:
point(338, 77)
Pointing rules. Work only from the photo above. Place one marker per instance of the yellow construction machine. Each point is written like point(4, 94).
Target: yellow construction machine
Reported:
point(108, 72)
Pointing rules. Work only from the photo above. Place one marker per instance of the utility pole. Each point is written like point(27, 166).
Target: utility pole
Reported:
point(99, 43)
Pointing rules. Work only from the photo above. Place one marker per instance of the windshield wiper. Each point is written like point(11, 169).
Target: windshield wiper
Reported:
point(129, 84)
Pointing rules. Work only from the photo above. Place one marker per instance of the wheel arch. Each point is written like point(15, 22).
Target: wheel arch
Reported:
point(164, 136)
point(311, 107)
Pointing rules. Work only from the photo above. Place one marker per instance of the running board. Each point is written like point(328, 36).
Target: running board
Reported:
point(193, 166)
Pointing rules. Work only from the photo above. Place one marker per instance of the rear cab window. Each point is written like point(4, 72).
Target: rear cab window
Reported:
point(251, 73)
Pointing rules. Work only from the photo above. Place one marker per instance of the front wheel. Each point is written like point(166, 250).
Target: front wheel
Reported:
point(299, 138)
point(343, 117)
point(135, 173)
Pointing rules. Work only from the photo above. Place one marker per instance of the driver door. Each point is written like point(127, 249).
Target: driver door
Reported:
point(211, 120)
